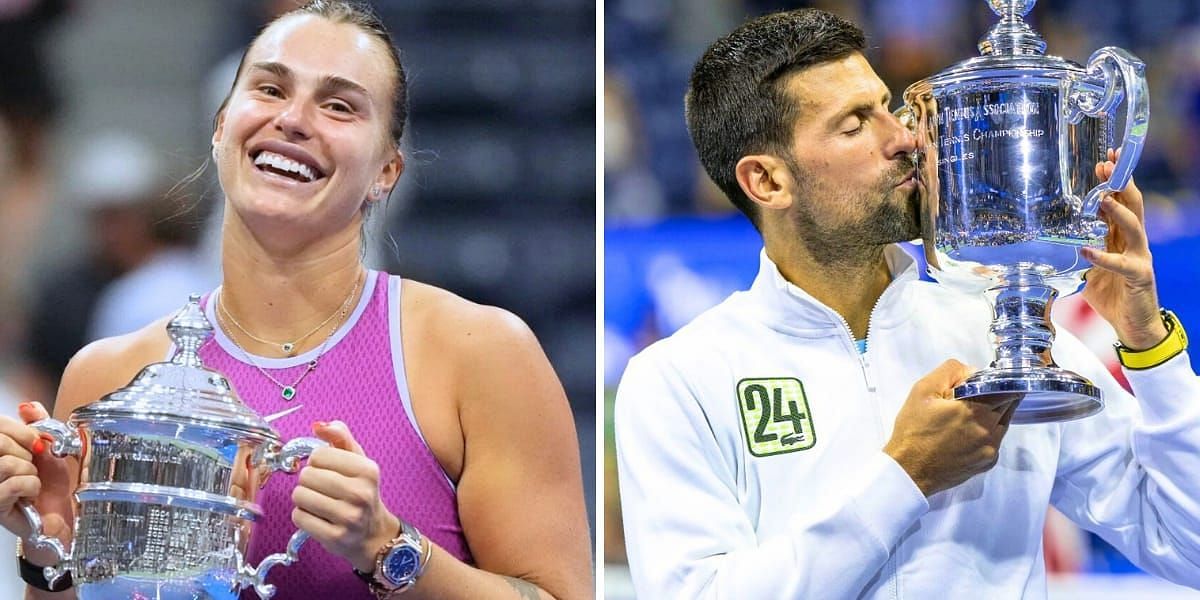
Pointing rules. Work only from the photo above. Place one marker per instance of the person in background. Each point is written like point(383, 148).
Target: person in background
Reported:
point(134, 226)
point(148, 230)
point(29, 104)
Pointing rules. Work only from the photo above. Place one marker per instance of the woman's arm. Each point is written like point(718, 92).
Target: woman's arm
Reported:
point(520, 494)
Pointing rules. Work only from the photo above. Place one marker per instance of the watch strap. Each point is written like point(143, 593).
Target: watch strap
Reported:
point(1170, 347)
point(35, 575)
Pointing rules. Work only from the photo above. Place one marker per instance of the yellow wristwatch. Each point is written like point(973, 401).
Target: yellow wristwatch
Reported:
point(1175, 342)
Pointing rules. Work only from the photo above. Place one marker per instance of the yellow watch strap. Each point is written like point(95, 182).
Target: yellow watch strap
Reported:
point(1170, 347)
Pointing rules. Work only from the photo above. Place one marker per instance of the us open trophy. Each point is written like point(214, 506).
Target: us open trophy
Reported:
point(1009, 143)
point(170, 468)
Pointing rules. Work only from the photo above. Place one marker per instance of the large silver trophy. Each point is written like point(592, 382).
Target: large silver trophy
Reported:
point(1009, 143)
point(170, 468)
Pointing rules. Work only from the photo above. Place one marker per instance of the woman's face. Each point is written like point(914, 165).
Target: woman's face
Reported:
point(302, 139)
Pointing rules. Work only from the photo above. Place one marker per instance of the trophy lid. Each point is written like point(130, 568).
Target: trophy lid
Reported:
point(182, 389)
point(1011, 48)
point(1012, 35)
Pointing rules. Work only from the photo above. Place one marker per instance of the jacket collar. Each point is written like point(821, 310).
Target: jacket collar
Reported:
point(787, 308)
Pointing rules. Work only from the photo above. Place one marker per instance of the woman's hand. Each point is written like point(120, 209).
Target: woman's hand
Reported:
point(1121, 286)
point(337, 499)
point(29, 472)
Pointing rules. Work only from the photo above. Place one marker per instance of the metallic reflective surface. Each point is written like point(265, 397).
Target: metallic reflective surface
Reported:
point(170, 468)
point(1012, 35)
point(1008, 147)
point(1005, 8)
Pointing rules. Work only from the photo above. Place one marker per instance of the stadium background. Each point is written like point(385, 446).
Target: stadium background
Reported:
point(674, 246)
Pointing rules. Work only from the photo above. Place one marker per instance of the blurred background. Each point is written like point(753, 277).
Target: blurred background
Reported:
point(675, 246)
point(106, 108)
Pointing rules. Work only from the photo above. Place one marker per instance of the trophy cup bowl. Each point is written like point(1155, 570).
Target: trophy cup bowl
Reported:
point(170, 466)
point(1008, 143)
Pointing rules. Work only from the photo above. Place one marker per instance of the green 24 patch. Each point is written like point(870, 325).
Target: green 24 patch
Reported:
point(775, 415)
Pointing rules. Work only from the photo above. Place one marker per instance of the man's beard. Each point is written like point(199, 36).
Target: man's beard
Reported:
point(885, 222)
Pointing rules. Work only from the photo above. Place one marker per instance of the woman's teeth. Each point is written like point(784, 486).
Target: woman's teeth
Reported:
point(284, 165)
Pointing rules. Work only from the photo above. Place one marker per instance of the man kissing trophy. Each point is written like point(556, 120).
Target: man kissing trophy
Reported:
point(1010, 140)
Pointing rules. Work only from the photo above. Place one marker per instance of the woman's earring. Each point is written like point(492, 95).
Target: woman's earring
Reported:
point(376, 191)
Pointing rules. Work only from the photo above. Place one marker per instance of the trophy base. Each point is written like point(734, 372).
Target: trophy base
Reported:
point(1046, 394)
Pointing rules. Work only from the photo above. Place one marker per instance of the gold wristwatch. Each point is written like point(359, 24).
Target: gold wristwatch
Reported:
point(1174, 344)
point(399, 563)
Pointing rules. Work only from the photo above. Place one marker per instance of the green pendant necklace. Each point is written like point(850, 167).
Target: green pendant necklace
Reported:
point(286, 391)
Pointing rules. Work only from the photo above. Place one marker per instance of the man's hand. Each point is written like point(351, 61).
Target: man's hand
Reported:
point(941, 442)
point(1121, 285)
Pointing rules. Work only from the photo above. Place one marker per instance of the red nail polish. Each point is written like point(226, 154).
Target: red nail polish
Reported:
point(38, 446)
point(320, 424)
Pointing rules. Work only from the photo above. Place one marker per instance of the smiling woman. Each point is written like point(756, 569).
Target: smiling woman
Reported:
point(315, 164)
point(452, 448)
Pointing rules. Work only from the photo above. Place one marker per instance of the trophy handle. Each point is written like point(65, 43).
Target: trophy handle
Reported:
point(65, 442)
point(38, 538)
point(1108, 64)
point(256, 577)
point(287, 458)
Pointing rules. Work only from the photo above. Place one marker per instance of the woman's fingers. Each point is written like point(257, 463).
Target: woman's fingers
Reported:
point(32, 411)
point(320, 505)
point(17, 437)
point(317, 527)
point(13, 466)
point(324, 481)
point(11, 447)
point(20, 486)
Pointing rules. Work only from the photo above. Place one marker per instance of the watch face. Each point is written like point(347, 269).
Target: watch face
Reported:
point(401, 564)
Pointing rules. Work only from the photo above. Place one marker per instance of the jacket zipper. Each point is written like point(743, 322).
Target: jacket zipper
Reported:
point(863, 360)
point(865, 363)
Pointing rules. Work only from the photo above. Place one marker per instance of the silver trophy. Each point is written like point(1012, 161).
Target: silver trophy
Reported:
point(1008, 146)
point(170, 468)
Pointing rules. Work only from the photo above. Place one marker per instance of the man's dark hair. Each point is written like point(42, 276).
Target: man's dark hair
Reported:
point(736, 103)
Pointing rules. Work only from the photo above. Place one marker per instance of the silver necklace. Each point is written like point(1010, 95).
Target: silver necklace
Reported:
point(289, 347)
point(288, 392)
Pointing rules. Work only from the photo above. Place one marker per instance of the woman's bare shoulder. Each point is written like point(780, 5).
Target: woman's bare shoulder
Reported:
point(106, 365)
point(490, 355)
point(459, 325)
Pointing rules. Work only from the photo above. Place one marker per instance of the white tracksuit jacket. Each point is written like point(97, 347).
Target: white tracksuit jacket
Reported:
point(751, 463)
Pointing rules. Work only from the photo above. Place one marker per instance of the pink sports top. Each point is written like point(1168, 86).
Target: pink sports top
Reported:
point(360, 381)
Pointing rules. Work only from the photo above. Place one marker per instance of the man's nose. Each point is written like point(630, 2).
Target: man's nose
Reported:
point(902, 140)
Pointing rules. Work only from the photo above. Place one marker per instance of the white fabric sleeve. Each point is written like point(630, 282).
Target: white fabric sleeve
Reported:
point(687, 535)
point(1132, 473)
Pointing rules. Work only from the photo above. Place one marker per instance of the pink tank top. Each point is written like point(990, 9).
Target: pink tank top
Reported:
point(360, 380)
